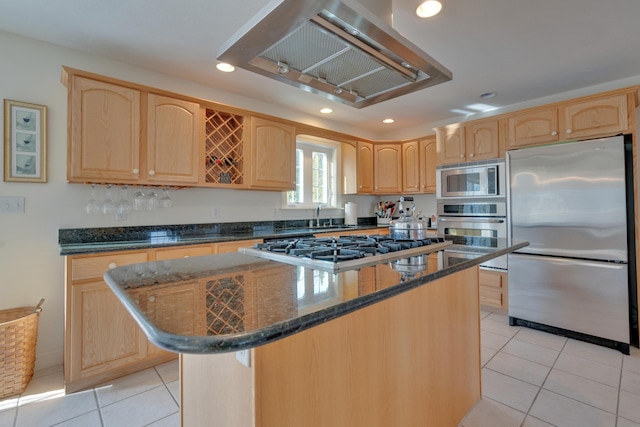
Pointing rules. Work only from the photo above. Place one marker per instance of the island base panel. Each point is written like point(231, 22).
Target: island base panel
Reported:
point(410, 360)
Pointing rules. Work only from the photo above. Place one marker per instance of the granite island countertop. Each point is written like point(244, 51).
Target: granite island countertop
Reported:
point(229, 302)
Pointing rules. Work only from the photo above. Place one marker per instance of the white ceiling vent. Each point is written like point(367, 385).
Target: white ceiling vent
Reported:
point(338, 49)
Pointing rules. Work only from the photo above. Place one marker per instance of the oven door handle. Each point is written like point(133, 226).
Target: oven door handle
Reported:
point(468, 219)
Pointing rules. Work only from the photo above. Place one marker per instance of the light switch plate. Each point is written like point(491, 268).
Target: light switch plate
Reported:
point(11, 204)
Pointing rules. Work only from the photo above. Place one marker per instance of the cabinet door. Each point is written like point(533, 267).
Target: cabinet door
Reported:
point(272, 157)
point(411, 167)
point(597, 117)
point(102, 337)
point(481, 140)
point(450, 144)
point(387, 161)
point(428, 162)
point(161, 309)
point(365, 167)
point(537, 127)
point(274, 301)
point(104, 136)
point(173, 141)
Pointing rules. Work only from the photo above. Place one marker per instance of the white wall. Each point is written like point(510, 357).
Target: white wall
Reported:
point(30, 264)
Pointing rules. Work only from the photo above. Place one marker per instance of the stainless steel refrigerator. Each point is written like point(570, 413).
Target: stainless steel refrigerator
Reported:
point(569, 201)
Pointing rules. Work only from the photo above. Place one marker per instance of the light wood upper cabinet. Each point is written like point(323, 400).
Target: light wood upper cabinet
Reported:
point(271, 155)
point(174, 147)
point(428, 160)
point(595, 117)
point(482, 140)
point(365, 167)
point(589, 117)
point(411, 167)
point(104, 132)
point(450, 144)
point(105, 144)
point(465, 143)
point(532, 128)
point(387, 161)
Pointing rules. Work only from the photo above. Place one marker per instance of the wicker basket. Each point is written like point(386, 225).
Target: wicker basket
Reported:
point(18, 334)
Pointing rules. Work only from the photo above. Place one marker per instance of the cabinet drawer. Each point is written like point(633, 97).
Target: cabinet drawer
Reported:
point(185, 252)
point(491, 297)
point(491, 280)
point(96, 266)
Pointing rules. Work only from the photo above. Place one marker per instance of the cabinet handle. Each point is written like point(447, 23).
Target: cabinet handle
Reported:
point(136, 171)
point(112, 265)
point(554, 133)
point(186, 256)
point(152, 172)
point(569, 130)
point(152, 298)
point(462, 156)
point(471, 155)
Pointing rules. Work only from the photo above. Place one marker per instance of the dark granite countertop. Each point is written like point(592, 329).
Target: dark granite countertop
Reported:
point(229, 302)
point(74, 241)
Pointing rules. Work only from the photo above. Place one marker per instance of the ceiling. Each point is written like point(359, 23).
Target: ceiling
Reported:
point(520, 49)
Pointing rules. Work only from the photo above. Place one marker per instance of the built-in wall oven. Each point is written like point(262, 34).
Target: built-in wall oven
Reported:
point(472, 208)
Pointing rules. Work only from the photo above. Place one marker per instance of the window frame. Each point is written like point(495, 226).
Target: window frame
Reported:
point(334, 166)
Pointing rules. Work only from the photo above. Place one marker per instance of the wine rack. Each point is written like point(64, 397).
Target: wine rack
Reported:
point(225, 305)
point(224, 157)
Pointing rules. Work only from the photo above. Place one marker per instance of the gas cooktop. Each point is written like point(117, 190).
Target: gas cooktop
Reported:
point(341, 253)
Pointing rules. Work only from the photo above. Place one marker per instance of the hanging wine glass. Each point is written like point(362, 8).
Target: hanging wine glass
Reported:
point(139, 201)
point(153, 201)
point(125, 204)
point(165, 200)
point(92, 207)
point(107, 204)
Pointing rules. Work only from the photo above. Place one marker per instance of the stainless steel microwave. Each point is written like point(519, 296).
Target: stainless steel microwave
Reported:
point(471, 180)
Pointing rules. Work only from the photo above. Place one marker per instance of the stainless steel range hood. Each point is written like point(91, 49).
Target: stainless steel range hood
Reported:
point(338, 49)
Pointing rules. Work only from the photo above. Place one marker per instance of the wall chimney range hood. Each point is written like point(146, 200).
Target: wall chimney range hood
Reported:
point(335, 48)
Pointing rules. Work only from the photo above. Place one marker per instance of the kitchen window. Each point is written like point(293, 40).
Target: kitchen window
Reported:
point(315, 176)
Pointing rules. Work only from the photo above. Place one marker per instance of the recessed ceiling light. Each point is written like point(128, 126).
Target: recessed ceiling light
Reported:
point(223, 66)
point(488, 95)
point(326, 110)
point(387, 121)
point(429, 8)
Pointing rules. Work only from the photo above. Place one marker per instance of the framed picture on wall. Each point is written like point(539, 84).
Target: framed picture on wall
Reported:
point(25, 142)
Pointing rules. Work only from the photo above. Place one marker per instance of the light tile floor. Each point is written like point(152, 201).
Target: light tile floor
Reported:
point(535, 379)
point(529, 379)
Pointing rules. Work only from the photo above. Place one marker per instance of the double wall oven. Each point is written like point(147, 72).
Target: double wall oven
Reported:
point(472, 208)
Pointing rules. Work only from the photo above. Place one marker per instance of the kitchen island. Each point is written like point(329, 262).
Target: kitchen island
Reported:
point(265, 343)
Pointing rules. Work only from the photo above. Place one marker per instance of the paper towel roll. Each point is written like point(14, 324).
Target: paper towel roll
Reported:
point(351, 214)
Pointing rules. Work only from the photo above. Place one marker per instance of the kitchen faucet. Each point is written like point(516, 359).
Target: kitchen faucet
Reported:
point(318, 215)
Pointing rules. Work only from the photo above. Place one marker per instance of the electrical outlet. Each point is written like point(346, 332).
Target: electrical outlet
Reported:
point(121, 215)
point(215, 212)
point(244, 357)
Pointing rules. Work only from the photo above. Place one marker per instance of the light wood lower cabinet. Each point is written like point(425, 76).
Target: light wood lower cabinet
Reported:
point(494, 289)
point(102, 341)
